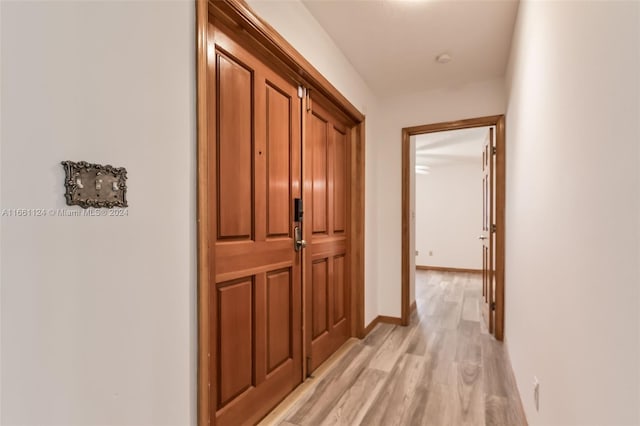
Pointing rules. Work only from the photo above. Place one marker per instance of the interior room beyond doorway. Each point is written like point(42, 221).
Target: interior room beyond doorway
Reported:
point(448, 198)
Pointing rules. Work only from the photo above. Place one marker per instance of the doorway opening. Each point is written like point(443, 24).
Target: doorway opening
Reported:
point(490, 161)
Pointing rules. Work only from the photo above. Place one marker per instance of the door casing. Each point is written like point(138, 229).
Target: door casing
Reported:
point(499, 122)
point(266, 43)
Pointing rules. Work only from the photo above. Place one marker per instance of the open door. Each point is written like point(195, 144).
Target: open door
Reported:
point(488, 236)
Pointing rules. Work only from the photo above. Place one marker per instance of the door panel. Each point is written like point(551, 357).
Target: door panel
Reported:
point(317, 143)
point(279, 292)
point(320, 292)
point(325, 162)
point(339, 180)
point(236, 336)
point(488, 234)
point(235, 165)
point(255, 171)
point(339, 293)
point(278, 162)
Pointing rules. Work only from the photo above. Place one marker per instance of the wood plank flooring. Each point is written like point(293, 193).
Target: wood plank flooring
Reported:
point(443, 369)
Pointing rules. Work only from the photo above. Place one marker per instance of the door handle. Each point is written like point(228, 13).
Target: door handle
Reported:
point(482, 237)
point(298, 242)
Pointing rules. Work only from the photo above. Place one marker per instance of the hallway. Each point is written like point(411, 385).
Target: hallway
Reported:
point(443, 369)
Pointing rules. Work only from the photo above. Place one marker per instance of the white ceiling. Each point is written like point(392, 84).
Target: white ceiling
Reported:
point(393, 43)
point(451, 147)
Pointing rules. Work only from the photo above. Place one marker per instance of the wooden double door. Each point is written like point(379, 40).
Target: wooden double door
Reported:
point(278, 309)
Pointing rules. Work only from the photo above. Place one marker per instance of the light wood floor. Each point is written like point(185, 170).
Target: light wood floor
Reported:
point(443, 369)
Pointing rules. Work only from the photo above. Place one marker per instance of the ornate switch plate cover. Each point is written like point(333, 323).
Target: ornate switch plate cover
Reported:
point(95, 185)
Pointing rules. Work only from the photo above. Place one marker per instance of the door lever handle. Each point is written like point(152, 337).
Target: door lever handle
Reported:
point(482, 237)
point(298, 242)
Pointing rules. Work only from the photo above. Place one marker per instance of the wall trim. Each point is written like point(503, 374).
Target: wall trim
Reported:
point(380, 319)
point(447, 269)
point(204, 392)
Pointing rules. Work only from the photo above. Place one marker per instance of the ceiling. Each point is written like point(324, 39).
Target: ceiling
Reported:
point(393, 43)
point(451, 147)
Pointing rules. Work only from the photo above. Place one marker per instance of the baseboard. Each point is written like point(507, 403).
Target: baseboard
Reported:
point(390, 320)
point(447, 269)
point(370, 327)
point(381, 319)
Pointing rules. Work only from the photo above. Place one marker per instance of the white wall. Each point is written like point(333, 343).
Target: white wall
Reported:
point(474, 100)
point(572, 278)
point(98, 313)
point(296, 24)
point(449, 216)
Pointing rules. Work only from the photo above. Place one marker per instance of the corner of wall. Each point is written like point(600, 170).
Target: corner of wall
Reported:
point(515, 39)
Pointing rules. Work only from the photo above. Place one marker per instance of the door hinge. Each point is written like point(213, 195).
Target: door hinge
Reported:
point(494, 150)
point(305, 95)
point(493, 306)
point(493, 228)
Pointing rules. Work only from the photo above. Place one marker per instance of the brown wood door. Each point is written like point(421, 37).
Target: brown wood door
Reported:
point(326, 192)
point(488, 235)
point(254, 171)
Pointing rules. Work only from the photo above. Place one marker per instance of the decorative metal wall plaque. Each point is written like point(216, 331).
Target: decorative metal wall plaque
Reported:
point(95, 185)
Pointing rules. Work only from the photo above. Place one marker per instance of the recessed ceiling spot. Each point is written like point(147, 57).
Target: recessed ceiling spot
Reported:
point(443, 58)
